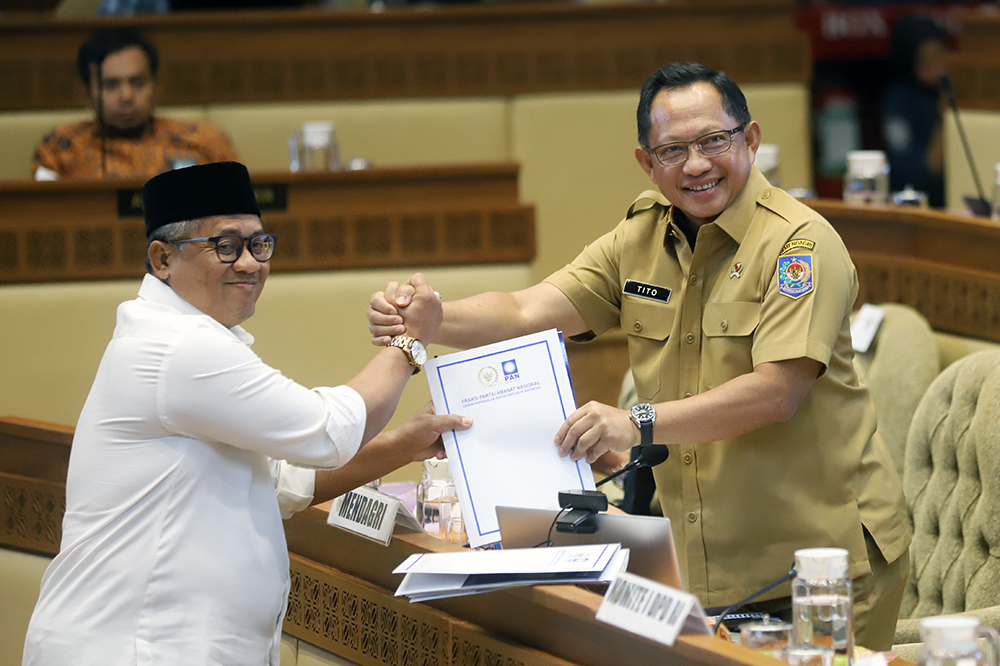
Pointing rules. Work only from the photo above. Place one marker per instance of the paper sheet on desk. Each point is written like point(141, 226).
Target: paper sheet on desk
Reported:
point(518, 393)
point(441, 575)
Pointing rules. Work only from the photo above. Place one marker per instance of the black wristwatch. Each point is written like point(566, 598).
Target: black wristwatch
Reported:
point(644, 416)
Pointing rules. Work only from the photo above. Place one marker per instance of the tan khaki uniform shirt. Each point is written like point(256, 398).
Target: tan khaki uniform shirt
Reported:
point(769, 280)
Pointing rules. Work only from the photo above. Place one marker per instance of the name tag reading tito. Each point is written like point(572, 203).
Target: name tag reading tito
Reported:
point(651, 291)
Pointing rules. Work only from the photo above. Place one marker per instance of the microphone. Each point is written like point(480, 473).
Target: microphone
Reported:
point(102, 131)
point(743, 602)
point(978, 206)
point(650, 455)
point(581, 505)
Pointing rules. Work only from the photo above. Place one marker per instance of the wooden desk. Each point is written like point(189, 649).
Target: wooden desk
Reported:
point(34, 457)
point(341, 596)
point(943, 265)
point(78, 230)
point(310, 54)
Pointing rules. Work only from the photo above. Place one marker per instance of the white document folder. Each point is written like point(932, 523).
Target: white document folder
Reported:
point(442, 575)
point(518, 393)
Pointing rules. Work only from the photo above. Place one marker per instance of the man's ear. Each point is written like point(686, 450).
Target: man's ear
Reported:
point(160, 254)
point(644, 160)
point(752, 133)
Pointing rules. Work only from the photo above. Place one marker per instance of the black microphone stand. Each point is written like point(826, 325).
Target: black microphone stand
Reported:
point(743, 602)
point(581, 505)
point(649, 456)
point(980, 206)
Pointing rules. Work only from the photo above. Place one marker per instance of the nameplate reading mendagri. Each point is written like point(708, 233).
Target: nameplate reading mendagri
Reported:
point(518, 393)
point(371, 514)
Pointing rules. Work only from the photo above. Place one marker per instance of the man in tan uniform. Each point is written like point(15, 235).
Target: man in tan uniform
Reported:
point(736, 301)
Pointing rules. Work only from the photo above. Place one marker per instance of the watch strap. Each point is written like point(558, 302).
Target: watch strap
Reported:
point(404, 343)
point(644, 422)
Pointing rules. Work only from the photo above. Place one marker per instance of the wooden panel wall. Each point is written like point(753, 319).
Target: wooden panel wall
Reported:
point(459, 51)
point(329, 221)
point(975, 67)
point(34, 458)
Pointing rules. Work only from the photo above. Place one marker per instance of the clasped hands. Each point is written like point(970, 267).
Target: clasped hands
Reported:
point(411, 308)
point(404, 309)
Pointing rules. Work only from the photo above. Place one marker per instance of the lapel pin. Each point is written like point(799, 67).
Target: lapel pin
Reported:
point(737, 270)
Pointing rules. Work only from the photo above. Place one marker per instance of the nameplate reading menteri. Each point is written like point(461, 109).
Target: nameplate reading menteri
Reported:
point(651, 291)
point(366, 512)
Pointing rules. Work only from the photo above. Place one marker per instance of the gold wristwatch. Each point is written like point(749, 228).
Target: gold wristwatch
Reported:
point(416, 353)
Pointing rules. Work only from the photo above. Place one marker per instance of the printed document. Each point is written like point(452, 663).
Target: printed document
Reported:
point(441, 575)
point(518, 393)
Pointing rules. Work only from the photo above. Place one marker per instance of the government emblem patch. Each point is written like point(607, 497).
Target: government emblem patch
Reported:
point(795, 275)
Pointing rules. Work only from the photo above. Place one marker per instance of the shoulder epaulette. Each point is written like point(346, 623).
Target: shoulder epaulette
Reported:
point(645, 201)
point(783, 204)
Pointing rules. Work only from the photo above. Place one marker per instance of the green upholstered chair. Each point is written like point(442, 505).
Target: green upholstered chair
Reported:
point(900, 364)
point(951, 479)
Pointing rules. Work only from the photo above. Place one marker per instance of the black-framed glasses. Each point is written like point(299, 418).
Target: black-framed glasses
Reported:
point(709, 145)
point(229, 247)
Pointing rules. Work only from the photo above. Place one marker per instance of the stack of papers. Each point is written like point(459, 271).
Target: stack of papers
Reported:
point(442, 575)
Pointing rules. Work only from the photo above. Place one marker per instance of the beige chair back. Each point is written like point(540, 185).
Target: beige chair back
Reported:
point(900, 364)
point(951, 480)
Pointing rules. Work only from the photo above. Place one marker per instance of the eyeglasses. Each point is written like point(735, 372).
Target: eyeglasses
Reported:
point(709, 145)
point(229, 247)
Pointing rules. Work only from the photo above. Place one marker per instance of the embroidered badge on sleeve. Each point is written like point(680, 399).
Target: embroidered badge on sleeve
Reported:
point(795, 275)
point(798, 244)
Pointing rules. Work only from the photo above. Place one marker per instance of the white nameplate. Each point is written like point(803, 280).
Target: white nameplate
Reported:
point(650, 609)
point(366, 512)
point(865, 326)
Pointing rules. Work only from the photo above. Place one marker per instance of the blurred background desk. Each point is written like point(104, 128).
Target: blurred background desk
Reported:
point(551, 86)
point(943, 265)
point(93, 230)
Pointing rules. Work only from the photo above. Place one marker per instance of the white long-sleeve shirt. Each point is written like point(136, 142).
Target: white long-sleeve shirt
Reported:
point(173, 550)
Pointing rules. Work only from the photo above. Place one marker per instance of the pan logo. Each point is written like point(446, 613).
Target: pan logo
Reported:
point(510, 370)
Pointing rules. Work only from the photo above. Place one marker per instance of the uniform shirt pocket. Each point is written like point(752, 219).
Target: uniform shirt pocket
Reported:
point(648, 324)
point(728, 329)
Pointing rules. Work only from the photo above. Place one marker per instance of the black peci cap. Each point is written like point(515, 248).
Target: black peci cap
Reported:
point(220, 188)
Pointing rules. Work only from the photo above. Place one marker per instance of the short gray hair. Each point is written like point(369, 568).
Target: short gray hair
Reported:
point(170, 233)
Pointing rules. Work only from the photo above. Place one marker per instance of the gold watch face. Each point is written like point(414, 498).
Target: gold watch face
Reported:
point(418, 352)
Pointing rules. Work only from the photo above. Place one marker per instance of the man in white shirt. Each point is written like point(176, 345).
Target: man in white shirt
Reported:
point(190, 449)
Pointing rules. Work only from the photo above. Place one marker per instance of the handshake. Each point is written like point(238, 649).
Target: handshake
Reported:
point(411, 308)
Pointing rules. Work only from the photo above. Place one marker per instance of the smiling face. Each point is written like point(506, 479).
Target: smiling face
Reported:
point(701, 187)
point(226, 292)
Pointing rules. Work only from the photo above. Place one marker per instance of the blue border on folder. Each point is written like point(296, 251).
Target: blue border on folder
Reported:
point(454, 435)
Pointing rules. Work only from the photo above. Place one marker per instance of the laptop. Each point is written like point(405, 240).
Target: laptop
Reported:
point(648, 538)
